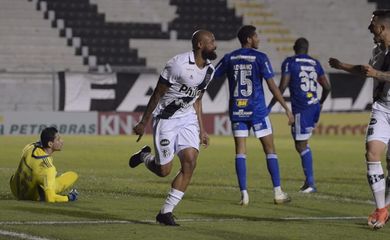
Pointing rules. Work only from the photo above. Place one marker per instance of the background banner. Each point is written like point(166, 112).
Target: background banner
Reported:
point(122, 123)
point(32, 123)
point(126, 92)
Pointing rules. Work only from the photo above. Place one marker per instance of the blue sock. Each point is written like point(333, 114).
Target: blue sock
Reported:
point(273, 169)
point(307, 165)
point(241, 170)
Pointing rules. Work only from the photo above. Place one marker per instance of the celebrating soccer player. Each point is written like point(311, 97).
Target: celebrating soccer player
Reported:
point(176, 105)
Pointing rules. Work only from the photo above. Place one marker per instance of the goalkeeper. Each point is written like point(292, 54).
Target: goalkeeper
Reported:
point(35, 179)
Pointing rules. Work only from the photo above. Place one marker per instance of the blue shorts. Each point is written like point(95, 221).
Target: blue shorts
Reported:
point(305, 122)
point(261, 127)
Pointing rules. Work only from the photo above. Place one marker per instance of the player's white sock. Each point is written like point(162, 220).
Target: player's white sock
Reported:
point(174, 197)
point(376, 180)
point(244, 197)
point(277, 190)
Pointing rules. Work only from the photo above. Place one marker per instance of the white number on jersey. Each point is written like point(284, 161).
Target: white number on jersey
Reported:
point(245, 81)
point(308, 79)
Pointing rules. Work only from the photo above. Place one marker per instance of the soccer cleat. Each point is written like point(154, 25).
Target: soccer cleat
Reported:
point(307, 189)
point(371, 219)
point(244, 198)
point(281, 197)
point(378, 218)
point(166, 219)
point(373, 216)
point(136, 158)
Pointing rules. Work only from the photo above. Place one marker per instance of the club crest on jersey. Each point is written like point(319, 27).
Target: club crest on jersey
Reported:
point(241, 102)
point(164, 142)
point(181, 103)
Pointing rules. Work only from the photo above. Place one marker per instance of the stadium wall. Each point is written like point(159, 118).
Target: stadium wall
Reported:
point(121, 123)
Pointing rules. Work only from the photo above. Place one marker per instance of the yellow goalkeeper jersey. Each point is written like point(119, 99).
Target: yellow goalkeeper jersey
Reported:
point(35, 178)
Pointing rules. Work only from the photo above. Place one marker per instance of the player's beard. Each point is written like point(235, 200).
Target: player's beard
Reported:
point(210, 55)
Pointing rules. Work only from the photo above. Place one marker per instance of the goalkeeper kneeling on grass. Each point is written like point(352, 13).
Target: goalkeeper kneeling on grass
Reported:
point(36, 177)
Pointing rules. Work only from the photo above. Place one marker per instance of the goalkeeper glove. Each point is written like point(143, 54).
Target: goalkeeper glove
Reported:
point(72, 195)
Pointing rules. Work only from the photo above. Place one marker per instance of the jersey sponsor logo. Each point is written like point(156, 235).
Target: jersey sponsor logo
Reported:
point(243, 57)
point(242, 113)
point(306, 60)
point(241, 102)
point(189, 91)
point(164, 142)
point(373, 121)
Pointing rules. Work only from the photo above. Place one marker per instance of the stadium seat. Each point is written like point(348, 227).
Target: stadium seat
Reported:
point(108, 41)
point(210, 15)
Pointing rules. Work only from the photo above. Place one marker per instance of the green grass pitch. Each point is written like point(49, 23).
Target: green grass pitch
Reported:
point(117, 202)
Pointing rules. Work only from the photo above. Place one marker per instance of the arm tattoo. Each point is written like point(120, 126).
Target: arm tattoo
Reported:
point(384, 76)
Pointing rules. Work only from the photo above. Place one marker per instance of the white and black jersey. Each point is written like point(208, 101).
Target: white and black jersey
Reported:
point(186, 81)
point(380, 60)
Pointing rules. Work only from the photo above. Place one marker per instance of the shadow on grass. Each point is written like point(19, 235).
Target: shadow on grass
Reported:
point(80, 215)
point(217, 216)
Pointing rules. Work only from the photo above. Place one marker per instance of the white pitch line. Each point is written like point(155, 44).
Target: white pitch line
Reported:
point(340, 218)
point(21, 235)
point(321, 218)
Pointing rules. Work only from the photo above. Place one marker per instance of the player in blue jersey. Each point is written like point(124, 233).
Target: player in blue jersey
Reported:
point(301, 74)
point(245, 69)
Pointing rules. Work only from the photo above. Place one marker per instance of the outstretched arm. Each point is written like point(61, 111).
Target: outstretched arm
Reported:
point(379, 75)
point(159, 91)
point(354, 69)
point(362, 70)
